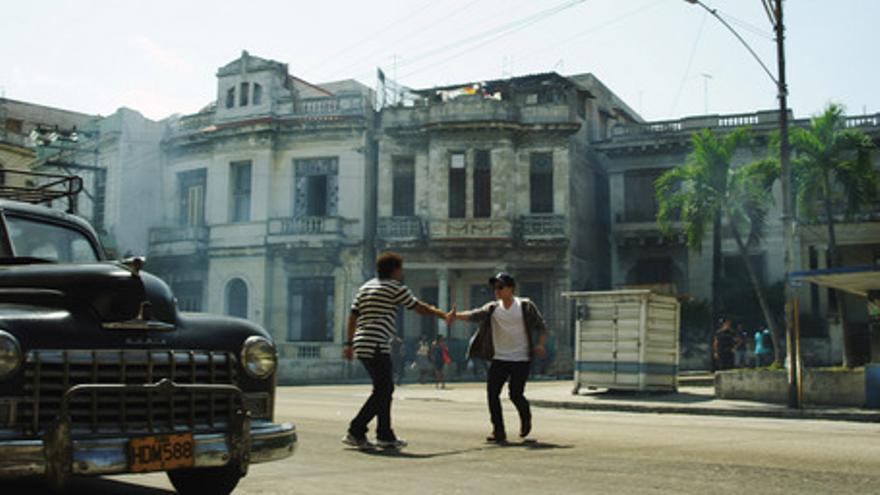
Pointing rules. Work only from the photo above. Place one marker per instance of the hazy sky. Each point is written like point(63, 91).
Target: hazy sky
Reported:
point(160, 57)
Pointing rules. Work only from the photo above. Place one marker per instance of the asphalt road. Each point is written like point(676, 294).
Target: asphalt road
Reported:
point(573, 452)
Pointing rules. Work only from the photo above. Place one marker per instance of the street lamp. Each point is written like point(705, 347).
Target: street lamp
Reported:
point(774, 12)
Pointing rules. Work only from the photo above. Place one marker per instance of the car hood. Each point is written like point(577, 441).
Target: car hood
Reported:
point(115, 292)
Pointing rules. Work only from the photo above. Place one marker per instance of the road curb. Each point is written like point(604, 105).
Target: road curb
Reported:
point(713, 411)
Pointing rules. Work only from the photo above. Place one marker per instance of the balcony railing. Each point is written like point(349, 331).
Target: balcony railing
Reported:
point(764, 119)
point(331, 106)
point(475, 109)
point(305, 226)
point(543, 227)
point(179, 240)
point(470, 228)
point(400, 228)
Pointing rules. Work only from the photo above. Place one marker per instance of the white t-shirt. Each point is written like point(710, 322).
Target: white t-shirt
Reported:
point(509, 332)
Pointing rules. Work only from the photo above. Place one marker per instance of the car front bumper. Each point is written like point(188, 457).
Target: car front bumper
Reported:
point(99, 456)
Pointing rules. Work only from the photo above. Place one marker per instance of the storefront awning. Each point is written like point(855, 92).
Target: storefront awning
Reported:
point(858, 280)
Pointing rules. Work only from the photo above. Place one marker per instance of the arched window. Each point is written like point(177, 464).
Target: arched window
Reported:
point(237, 298)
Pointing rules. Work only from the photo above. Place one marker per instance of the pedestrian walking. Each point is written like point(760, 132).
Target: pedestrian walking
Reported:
point(369, 335)
point(439, 358)
point(723, 345)
point(763, 347)
point(505, 337)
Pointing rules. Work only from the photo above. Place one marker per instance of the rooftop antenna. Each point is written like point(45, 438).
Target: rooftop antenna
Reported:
point(706, 78)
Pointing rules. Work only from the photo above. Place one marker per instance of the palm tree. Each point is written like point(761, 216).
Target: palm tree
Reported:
point(706, 189)
point(833, 167)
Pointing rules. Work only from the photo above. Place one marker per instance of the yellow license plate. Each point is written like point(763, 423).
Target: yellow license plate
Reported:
point(161, 453)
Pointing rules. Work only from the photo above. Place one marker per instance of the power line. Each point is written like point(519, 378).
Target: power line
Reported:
point(690, 61)
point(420, 9)
point(494, 34)
point(369, 59)
point(593, 29)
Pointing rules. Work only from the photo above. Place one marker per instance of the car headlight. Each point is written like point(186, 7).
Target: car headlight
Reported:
point(258, 357)
point(10, 354)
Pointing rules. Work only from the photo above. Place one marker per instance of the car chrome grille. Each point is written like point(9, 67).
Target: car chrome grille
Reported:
point(49, 373)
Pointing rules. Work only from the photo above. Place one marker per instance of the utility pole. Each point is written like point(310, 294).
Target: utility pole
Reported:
point(774, 12)
point(791, 340)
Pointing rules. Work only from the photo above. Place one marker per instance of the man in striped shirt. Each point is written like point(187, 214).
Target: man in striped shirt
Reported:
point(370, 331)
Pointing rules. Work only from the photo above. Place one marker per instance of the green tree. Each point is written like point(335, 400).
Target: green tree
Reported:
point(833, 174)
point(706, 190)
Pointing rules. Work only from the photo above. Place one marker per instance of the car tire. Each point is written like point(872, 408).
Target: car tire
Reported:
point(215, 480)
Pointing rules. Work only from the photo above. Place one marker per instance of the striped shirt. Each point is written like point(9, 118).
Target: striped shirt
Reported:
point(376, 308)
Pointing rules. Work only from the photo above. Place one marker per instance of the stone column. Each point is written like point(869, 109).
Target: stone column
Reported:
point(442, 299)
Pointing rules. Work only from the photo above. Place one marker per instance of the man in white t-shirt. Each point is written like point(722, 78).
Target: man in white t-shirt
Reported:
point(508, 325)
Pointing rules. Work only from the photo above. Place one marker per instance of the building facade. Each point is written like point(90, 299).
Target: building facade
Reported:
point(478, 178)
point(635, 155)
point(265, 209)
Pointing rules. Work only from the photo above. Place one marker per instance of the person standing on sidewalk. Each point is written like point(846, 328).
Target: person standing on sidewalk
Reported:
point(439, 358)
point(369, 335)
point(504, 337)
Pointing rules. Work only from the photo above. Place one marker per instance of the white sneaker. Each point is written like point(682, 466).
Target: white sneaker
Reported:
point(398, 443)
point(361, 443)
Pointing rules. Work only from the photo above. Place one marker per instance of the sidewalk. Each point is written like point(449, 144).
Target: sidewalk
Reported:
point(699, 400)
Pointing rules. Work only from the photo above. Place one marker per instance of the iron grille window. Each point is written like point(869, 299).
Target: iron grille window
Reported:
point(191, 185)
point(241, 191)
point(541, 182)
point(403, 187)
point(230, 97)
point(482, 184)
point(317, 187)
point(457, 185)
point(311, 309)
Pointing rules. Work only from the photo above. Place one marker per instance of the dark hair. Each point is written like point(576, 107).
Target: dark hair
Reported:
point(386, 263)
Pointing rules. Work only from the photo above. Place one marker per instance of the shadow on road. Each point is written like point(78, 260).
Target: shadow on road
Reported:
point(404, 454)
point(82, 486)
point(536, 445)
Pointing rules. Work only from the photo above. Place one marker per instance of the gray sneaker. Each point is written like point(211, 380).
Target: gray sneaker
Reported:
point(360, 443)
point(397, 443)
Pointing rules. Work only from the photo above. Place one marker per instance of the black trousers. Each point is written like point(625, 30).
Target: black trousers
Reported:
point(378, 405)
point(499, 372)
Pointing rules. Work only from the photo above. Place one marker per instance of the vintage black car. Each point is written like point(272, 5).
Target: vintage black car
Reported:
point(100, 373)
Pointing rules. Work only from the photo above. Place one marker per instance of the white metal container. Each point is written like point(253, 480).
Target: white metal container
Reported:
point(626, 340)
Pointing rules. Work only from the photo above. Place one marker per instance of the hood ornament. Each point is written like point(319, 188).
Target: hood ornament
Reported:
point(134, 264)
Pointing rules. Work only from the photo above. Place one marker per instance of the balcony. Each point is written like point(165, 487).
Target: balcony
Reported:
point(541, 229)
point(476, 110)
point(471, 229)
point(337, 106)
point(401, 230)
point(305, 231)
point(178, 241)
point(765, 121)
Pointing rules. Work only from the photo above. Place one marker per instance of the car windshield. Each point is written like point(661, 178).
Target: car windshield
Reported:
point(49, 241)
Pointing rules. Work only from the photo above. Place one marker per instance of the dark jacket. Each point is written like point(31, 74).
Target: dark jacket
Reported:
point(481, 343)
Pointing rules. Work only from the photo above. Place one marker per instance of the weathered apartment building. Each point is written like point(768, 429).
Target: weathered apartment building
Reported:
point(116, 156)
point(499, 175)
point(636, 154)
point(265, 208)
point(277, 196)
